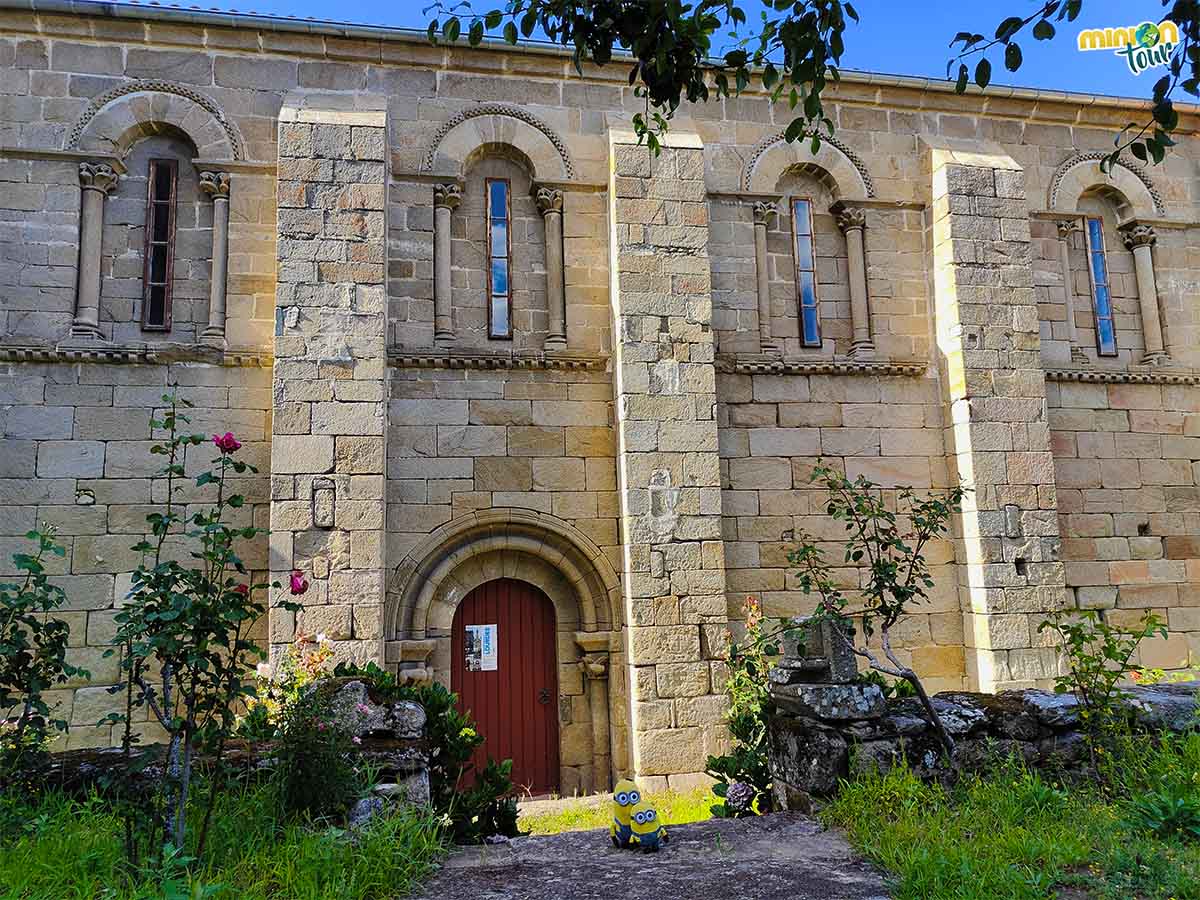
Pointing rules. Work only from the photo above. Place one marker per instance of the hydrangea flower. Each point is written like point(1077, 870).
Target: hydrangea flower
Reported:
point(739, 796)
point(226, 442)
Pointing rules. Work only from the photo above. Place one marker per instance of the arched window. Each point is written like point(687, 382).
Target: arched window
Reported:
point(499, 268)
point(159, 252)
point(499, 257)
point(1102, 306)
point(157, 246)
point(804, 244)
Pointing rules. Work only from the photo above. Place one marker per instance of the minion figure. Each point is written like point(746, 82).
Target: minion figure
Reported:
point(625, 797)
point(648, 832)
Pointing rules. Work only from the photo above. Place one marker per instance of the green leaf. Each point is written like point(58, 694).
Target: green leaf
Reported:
point(475, 35)
point(1012, 57)
point(960, 84)
point(493, 19)
point(510, 32)
point(1043, 30)
point(451, 29)
point(983, 73)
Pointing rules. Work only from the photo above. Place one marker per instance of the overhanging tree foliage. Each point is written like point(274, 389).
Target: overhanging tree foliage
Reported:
point(793, 50)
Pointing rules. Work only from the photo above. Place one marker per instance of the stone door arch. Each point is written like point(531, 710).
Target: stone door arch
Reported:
point(541, 550)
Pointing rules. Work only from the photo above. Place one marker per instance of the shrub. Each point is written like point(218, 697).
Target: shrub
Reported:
point(743, 776)
point(896, 576)
point(33, 650)
point(1167, 812)
point(184, 631)
point(469, 814)
point(315, 774)
point(1098, 660)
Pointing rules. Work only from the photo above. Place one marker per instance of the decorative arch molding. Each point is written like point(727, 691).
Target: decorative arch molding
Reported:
point(839, 167)
point(539, 548)
point(457, 141)
point(1127, 183)
point(118, 118)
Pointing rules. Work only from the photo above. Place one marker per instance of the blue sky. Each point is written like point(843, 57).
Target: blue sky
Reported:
point(905, 38)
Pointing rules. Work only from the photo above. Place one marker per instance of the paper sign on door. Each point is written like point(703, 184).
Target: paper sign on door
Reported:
point(479, 643)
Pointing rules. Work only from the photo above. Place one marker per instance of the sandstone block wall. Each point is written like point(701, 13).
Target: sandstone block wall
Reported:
point(76, 455)
point(653, 473)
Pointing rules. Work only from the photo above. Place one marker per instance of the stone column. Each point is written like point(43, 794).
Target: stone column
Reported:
point(550, 205)
point(1140, 239)
point(446, 198)
point(216, 186)
point(853, 223)
point(764, 213)
point(669, 481)
point(95, 181)
point(1067, 227)
point(329, 426)
point(997, 436)
point(595, 672)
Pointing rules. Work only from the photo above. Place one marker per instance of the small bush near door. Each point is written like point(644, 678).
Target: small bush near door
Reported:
point(470, 814)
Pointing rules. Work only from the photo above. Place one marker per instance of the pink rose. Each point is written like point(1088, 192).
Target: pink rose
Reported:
point(226, 442)
point(242, 589)
point(356, 739)
point(299, 583)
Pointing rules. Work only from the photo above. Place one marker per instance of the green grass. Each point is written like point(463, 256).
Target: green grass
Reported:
point(73, 849)
point(673, 809)
point(1015, 834)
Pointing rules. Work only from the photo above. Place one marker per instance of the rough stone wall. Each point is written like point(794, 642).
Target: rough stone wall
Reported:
point(328, 450)
point(997, 435)
point(461, 441)
point(673, 566)
point(76, 455)
point(39, 245)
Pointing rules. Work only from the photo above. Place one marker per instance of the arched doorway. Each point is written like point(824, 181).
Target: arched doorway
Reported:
point(503, 646)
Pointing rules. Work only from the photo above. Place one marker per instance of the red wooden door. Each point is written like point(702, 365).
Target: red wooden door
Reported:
point(504, 648)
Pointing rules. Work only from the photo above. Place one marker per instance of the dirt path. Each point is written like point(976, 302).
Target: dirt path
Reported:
point(780, 857)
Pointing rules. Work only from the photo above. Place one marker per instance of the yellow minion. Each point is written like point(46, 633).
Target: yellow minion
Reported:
point(625, 797)
point(648, 832)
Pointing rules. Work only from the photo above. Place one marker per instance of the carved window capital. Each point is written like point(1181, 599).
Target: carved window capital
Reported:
point(548, 200)
point(447, 195)
point(97, 177)
point(1066, 228)
point(215, 184)
point(1138, 234)
point(851, 217)
point(765, 212)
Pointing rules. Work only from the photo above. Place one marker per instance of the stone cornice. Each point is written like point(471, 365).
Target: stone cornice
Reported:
point(375, 44)
point(767, 365)
point(466, 359)
point(115, 354)
point(77, 156)
point(1112, 377)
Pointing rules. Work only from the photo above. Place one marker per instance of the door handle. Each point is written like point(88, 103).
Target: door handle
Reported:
point(544, 696)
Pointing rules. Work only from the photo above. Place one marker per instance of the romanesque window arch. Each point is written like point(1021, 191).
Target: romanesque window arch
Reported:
point(527, 154)
point(809, 247)
point(1106, 259)
point(167, 281)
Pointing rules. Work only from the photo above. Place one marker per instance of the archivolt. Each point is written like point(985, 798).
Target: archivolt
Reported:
point(1081, 173)
point(772, 156)
point(542, 549)
point(499, 123)
point(116, 119)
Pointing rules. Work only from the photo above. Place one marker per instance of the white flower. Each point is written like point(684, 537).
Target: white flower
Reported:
point(321, 639)
point(263, 670)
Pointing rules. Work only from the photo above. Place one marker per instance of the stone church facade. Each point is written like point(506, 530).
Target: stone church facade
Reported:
point(468, 330)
